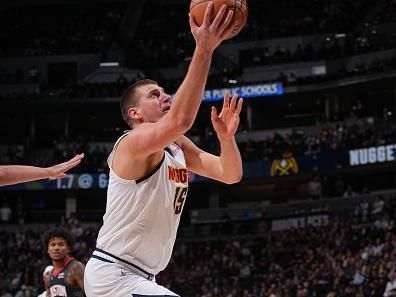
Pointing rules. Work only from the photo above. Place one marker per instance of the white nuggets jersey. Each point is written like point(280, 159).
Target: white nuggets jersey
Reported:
point(142, 216)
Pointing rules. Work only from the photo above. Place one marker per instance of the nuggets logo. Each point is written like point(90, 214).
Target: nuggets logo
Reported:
point(179, 175)
point(285, 166)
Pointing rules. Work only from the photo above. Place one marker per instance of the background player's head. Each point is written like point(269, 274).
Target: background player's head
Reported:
point(144, 101)
point(58, 243)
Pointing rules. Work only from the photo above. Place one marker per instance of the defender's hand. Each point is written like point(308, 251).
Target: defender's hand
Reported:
point(58, 171)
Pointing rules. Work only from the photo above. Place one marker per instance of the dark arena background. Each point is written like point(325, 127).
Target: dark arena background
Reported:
point(314, 214)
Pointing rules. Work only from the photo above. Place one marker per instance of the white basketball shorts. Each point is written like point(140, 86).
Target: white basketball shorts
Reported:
point(106, 279)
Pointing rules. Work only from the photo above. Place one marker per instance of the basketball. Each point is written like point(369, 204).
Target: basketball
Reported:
point(239, 18)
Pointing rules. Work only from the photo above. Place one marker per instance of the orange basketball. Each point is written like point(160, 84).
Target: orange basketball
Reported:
point(198, 7)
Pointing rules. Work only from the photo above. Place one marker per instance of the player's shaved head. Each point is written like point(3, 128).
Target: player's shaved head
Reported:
point(130, 99)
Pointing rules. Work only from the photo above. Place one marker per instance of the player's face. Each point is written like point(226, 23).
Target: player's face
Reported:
point(58, 249)
point(153, 103)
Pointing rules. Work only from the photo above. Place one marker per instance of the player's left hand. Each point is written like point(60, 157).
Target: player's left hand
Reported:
point(226, 123)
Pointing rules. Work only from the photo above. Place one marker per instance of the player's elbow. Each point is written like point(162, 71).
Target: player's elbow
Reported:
point(3, 175)
point(233, 179)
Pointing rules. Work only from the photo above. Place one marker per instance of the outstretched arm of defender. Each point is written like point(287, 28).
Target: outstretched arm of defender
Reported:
point(14, 174)
point(227, 167)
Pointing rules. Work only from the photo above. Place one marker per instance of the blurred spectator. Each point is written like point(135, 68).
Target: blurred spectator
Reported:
point(5, 213)
point(390, 289)
point(349, 192)
point(315, 188)
point(33, 75)
point(339, 186)
point(378, 206)
point(326, 186)
point(362, 211)
point(5, 293)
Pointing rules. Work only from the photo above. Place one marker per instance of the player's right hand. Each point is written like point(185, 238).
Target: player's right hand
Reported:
point(210, 34)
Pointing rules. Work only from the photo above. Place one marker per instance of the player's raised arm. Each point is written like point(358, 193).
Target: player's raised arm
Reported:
point(14, 174)
point(156, 134)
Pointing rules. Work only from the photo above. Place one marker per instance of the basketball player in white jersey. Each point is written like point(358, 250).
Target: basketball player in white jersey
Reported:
point(15, 174)
point(149, 173)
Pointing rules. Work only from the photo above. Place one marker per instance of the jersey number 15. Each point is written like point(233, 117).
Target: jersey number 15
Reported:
point(180, 197)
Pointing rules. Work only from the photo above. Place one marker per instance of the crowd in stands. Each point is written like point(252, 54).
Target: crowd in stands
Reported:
point(72, 28)
point(95, 158)
point(95, 90)
point(217, 79)
point(290, 18)
point(346, 256)
point(32, 76)
point(358, 69)
point(13, 154)
point(58, 29)
point(175, 44)
point(76, 29)
point(23, 258)
point(324, 186)
point(385, 13)
point(329, 48)
point(156, 48)
point(266, 21)
point(97, 155)
point(350, 134)
point(353, 132)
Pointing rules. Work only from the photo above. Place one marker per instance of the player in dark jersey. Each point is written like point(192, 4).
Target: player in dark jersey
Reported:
point(67, 277)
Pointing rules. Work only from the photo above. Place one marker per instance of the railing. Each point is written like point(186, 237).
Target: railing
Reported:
point(243, 212)
point(88, 65)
